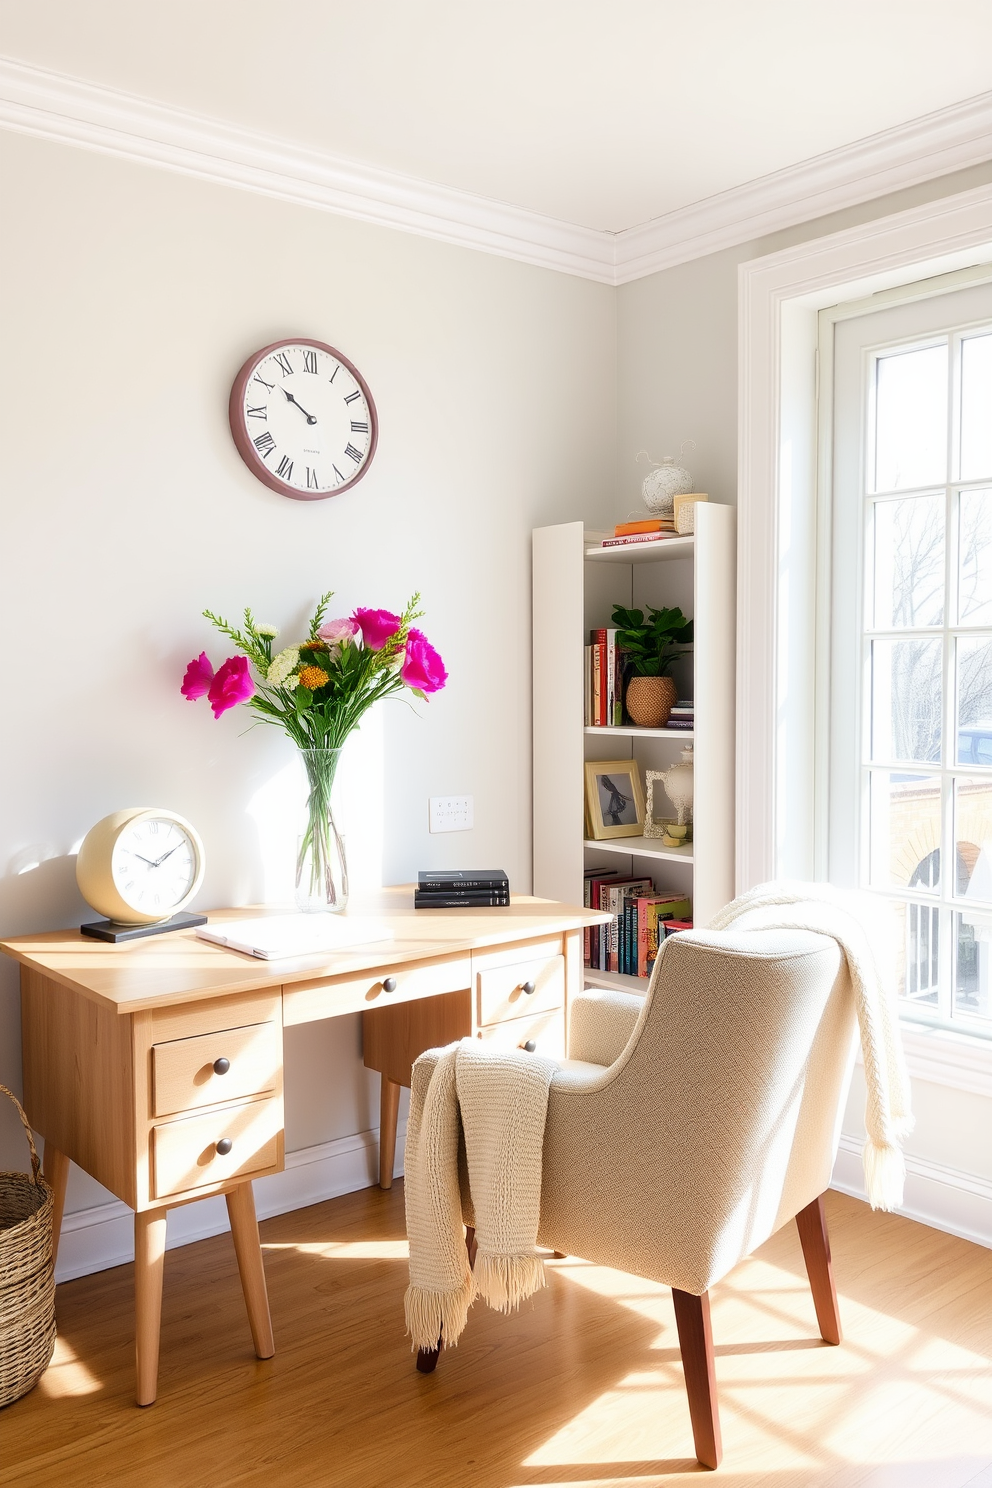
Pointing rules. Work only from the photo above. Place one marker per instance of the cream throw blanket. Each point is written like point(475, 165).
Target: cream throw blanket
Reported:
point(499, 1099)
point(859, 929)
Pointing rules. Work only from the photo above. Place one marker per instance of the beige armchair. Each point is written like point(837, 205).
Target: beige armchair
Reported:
point(687, 1126)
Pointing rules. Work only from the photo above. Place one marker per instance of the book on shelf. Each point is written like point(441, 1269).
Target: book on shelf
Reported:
point(648, 524)
point(595, 878)
point(604, 680)
point(638, 537)
point(673, 927)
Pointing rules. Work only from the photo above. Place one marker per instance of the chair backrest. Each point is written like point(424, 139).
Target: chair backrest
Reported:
point(721, 1118)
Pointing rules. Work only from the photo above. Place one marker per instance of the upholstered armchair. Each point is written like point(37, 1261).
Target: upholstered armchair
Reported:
point(687, 1126)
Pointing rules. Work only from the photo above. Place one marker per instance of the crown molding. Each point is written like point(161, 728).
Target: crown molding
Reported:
point(934, 145)
point(52, 106)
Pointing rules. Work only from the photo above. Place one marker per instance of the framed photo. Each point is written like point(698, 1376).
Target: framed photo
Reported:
point(614, 800)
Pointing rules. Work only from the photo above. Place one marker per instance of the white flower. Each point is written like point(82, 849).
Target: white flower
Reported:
point(267, 630)
point(281, 666)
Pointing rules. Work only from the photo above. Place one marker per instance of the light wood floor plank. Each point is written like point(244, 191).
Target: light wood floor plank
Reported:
point(582, 1388)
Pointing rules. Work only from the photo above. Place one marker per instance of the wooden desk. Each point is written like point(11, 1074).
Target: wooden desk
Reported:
point(157, 1065)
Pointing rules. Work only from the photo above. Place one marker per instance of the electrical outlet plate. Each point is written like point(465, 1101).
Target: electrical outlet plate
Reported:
point(452, 813)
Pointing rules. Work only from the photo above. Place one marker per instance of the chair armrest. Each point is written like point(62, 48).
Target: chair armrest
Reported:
point(600, 1025)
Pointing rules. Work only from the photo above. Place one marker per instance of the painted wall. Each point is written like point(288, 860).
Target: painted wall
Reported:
point(129, 298)
point(677, 380)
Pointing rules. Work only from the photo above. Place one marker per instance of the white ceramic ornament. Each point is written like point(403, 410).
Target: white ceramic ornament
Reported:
point(678, 785)
point(664, 482)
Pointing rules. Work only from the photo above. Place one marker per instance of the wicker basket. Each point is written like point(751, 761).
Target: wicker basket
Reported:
point(27, 1275)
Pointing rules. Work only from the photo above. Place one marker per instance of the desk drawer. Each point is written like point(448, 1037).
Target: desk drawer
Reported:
point(331, 996)
point(186, 1155)
point(545, 1030)
point(521, 989)
point(190, 1072)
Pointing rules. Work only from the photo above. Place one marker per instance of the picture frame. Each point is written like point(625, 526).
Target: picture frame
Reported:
point(614, 799)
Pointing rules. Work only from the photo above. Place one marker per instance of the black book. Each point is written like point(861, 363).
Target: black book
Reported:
point(452, 881)
point(476, 900)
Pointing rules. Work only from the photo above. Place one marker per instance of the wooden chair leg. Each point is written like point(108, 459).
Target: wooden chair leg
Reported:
point(811, 1223)
point(692, 1316)
point(55, 1166)
point(427, 1358)
point(389, 1108)
point(248, 1249)
point(149, 1268)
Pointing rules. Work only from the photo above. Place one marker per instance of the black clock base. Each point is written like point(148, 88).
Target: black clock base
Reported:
point(111, 930)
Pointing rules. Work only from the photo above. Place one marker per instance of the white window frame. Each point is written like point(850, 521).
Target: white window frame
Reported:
point(781, 526)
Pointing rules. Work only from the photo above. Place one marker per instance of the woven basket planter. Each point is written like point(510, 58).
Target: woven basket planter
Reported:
point(27, 1275)
point(650, 700)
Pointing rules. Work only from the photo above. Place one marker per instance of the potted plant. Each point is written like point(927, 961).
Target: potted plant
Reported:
point(650, 646)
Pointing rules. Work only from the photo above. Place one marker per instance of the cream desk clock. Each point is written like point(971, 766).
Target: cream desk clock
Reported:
point(140, 867)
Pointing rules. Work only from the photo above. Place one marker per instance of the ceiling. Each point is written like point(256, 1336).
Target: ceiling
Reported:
point(604, 115)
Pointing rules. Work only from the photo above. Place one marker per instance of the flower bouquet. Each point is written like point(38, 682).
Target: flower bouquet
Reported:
point(318, 690)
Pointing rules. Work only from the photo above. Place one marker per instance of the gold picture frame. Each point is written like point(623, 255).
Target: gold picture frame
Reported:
point(614, 799)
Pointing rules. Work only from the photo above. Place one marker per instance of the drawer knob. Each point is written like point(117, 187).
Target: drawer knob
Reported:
point(221, 1066)
point(389, 985)
point(224, 1146)
point(529, 989)
point(530, 1045)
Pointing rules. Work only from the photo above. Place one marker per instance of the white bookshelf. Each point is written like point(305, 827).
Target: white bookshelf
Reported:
point(576, 584)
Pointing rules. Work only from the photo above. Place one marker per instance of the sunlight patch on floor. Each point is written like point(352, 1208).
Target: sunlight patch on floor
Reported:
point(346, 1250)
point(67, 1375)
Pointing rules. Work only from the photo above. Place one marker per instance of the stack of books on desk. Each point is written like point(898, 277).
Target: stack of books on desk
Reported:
point(486, 888)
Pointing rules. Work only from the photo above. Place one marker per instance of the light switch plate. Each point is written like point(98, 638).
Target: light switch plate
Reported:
point(452, 813)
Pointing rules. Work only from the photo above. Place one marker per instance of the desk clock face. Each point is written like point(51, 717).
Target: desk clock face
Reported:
point(154, 865)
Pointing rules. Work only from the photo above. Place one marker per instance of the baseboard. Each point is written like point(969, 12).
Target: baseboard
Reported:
point(944, 1198)
point(103, 1236)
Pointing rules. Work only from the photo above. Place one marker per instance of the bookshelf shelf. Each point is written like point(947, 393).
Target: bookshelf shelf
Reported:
point(576, 585)
point(615, 981)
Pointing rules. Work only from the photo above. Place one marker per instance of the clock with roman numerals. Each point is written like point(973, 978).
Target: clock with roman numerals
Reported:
point(303, 419)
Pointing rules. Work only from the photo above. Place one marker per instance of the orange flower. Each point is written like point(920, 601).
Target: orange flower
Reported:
point(312, 677)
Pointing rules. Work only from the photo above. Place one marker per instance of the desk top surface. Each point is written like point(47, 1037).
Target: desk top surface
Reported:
point(178, 967)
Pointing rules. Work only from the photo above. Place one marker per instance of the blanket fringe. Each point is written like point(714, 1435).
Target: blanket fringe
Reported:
point(431, 1316)
point(885, 1174)
point(504, 1281)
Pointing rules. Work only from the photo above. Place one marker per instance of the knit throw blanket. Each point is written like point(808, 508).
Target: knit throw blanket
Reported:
point(499, 1099)
point(845, 917)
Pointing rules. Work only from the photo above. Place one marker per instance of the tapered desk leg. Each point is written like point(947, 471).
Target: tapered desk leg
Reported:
point(248, 1249)
point(389, 1109)
point(55, 1167)
point(149, 1268)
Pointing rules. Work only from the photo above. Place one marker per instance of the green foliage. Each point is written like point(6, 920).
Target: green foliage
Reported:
point(650, 645)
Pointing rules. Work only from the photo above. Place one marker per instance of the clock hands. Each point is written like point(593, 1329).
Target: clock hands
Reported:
point(309, 416)
point(159, 861)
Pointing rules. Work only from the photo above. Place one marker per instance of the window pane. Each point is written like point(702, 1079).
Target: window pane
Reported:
point(909, 562)
point(906, 700)
point(904, 833)
point(974, 700)
point(976, 407)
point(973, 835)
point(975, 557)
point(911, 419)
point(972, 940)
point(918, 953)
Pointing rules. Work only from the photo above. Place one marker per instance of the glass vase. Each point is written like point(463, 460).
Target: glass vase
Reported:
point(321, 866)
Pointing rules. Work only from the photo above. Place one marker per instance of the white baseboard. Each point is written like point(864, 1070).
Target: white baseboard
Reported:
point(944, 1198)
point(96, 1238)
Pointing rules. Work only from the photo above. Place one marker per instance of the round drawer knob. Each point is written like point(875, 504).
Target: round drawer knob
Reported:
point(389, 985)
point(224, 1146)
point(221, 1066)
point(529, 989)
point(530, 1045)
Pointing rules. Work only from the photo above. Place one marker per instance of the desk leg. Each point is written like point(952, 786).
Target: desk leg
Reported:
point(55, 1167)
point(248, 1249)
point(149, 1269)
point(389, 1107)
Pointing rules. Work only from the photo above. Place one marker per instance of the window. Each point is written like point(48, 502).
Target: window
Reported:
point(910, 727)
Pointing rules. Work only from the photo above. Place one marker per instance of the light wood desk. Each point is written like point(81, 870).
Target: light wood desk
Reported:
point(157, 1065)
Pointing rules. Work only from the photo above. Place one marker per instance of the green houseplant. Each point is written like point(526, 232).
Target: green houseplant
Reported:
point(650, 646)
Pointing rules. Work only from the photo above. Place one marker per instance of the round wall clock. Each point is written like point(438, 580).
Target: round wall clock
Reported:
point(303, 419)
point(140, 866)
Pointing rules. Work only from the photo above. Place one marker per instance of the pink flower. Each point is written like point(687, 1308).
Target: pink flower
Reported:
point(378, 627)
point(231, 685)
point(199, 675)
point(336, 632)
point(422, 666)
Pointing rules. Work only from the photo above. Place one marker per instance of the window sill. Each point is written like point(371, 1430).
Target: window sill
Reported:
point(942, 1057)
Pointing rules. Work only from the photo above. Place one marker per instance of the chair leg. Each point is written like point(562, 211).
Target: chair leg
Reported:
point(427, 1358)
point(692, 1316)
point(389, 1108)
point(811, 1223)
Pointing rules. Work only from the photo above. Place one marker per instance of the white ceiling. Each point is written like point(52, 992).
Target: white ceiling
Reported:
point(603, 113)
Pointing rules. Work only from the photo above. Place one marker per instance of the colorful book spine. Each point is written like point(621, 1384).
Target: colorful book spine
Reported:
point(638, 537)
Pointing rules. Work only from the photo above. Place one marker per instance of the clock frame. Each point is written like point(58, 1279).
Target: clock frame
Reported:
point(245, 438)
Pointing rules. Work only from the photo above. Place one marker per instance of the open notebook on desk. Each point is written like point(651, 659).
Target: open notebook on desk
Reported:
point(274, 936)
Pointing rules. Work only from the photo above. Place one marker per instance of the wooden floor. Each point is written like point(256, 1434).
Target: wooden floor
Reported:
point(582, 1388)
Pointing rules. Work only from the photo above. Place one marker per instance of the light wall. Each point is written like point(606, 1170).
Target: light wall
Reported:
point(129, 297)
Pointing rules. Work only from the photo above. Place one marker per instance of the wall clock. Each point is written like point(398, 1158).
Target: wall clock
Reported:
point(303, 419)
point(140, 867)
